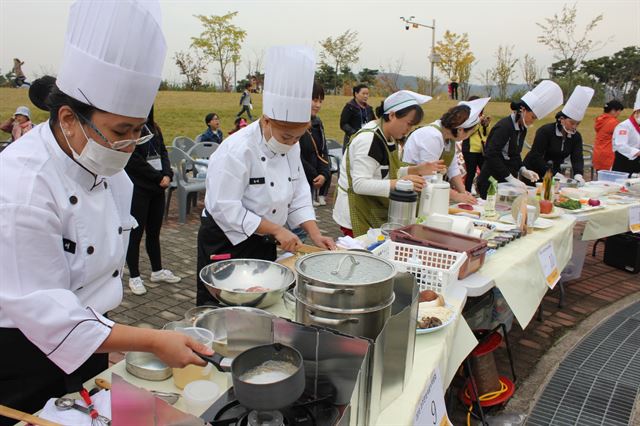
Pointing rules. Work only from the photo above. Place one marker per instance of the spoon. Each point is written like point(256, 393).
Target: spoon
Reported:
point(68, 404)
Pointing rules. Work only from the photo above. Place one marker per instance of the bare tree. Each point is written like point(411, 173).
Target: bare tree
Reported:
point(464, 75)
point(342, 51)
point(504, 69)
point(561, 35)
point(389, 78)
point(530, 71)
point(254, 65)
point(487, 81)
point(192, 67)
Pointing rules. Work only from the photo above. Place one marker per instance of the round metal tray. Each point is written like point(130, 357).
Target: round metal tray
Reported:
point(147, 366)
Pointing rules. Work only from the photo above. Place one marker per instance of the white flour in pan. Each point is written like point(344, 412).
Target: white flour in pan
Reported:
point(269, 372)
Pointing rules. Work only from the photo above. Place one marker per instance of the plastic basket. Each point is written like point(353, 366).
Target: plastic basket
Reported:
point(434, 269)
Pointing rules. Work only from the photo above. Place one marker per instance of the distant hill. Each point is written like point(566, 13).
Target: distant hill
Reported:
point(409, 82)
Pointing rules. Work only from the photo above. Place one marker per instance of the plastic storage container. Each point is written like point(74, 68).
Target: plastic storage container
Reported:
point(433, 269)
point(475, 248)
point(611, 175)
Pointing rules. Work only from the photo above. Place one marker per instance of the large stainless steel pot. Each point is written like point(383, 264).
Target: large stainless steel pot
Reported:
point(356, 322)
point(339, 280)
point(232, 282)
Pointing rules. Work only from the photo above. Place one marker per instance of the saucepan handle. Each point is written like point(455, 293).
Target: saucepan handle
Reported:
point(220, 362)
point(325, 290)
point(331, 321)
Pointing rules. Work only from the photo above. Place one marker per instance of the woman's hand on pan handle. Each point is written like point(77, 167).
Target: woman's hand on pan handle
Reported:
point(177, 349)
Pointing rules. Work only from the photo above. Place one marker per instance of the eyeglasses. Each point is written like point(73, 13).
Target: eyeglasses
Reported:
point(118, 145)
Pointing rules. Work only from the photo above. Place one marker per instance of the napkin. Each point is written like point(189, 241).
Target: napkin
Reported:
point(101, 402)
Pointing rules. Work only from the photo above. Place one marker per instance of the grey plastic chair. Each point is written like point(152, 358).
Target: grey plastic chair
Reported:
point(203, 149)
point(335, 155)
point(183, 143)
point(186, 184)
point(198, 138)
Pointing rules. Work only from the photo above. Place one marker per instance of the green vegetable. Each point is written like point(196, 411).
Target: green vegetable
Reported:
point(569, 204)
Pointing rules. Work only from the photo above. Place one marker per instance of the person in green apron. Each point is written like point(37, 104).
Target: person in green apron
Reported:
point(438, 141)
point(371, 165)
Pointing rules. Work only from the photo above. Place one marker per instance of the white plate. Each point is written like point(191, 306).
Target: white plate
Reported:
point(440, 327)
point(555, 213)
point(585, 209)
point(540, 223)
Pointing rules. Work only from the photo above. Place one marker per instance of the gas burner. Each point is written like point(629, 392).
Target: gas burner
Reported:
point(227, 411)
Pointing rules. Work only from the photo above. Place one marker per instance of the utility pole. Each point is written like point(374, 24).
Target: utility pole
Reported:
point(433, 57)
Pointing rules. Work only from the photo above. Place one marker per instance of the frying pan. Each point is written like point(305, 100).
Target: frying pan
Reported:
point(263, 396)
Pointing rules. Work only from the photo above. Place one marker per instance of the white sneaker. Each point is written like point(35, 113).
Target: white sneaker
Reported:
point(164, 275)
point(137, 286)
point(321, 200)
point(315, 203)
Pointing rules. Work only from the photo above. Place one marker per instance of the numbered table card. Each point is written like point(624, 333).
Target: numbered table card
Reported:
point(431, 408)
point(549, 264)
point(634, 219)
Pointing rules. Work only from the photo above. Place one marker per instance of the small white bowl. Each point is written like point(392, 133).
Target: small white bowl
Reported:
point(200, 395)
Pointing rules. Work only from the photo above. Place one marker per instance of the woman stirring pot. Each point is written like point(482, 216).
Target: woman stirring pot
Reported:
point(65, 205)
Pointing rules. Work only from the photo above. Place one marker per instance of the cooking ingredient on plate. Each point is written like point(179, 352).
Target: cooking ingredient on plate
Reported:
point(464, 206)
point(429, 322)
point(269, 372)
point(593, 203)
point(428, 295)
point(546, 207)
point(569, 204)
point(425, 311)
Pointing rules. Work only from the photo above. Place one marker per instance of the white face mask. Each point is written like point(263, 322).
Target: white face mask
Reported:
point(277, 147)
point(569, 132)
point(99, 159)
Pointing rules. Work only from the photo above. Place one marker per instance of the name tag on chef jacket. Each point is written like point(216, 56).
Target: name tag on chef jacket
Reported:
point(155, 162)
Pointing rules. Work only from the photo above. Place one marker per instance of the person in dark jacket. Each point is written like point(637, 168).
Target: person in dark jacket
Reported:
point(314, 152)
point(356, 113)
point(150, 171)
point(502, 158)
point(553, 143)
point(472, 148)
point(213, 132)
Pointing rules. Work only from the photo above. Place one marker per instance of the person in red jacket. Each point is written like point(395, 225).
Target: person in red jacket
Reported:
point(605, 123)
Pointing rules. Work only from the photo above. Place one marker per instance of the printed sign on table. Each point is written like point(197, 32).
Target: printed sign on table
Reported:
point(549, 264)
point(431, 410)
point(634, 219)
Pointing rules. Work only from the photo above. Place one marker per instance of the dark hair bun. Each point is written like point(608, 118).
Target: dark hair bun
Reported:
point(40, 90)
point(380, 110)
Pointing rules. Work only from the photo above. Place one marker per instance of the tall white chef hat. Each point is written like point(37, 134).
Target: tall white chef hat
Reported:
point(636, 105)
point(476, 105)
point(544, 98)
point(578, 103)
point(402, 99)
point(288, 83)
point(113, 55)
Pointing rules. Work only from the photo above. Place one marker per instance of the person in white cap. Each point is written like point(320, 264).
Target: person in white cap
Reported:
point(65, 210)
point(437, 141)
point(19, 124)
point(626, 142)
point(371, 164)
point(259, 185)
point(554, 142)
point(502, 153)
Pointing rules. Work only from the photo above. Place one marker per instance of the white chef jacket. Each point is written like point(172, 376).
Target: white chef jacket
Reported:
point(247, 182)
point(63, 239)
point(426, 145)
point(366, 174)
point(626, 139)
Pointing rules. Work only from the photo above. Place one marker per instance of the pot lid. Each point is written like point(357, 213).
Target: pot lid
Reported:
point(345, 268)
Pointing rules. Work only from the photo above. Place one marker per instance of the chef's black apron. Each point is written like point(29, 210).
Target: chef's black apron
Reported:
point(212, 240)
point(623, 164)
point(28, 378)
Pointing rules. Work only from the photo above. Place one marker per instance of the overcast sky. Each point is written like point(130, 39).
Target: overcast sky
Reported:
point(34, 30)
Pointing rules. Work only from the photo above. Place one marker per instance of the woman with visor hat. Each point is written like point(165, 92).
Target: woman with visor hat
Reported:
point(65, 204)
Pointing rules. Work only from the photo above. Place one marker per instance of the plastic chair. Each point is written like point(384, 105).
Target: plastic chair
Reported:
point(183, 143)
point(335, 155)
point(587, 154)
point(185, 184)
point(198, 138)
point(203, 149)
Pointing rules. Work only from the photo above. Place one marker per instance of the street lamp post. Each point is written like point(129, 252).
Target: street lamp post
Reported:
point(433, 57)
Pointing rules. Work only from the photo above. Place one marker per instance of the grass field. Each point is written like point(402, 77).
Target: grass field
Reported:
point(182, 113)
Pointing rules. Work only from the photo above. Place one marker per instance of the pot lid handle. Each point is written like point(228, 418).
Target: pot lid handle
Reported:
point(354, 262)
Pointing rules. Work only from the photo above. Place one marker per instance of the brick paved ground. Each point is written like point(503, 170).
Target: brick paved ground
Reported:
point(599, 286)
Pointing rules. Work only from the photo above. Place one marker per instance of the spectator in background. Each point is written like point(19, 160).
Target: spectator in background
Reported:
point(314, 153)
point(239, 124)
point(356, 113)
point(454, 88)
point(605, 123)
point(213, 132)
point(473, 147)
point(20, 79)
point(150, 171)
point(19, 124)
point(245, 102)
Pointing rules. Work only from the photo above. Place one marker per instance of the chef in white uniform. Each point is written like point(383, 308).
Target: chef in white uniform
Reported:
point(437, 141)
point(626, 142)
point(256, 184)
point(65, 210)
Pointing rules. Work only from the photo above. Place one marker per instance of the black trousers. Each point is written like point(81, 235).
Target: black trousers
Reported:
point(148, 210)
point(28, 378)
point(247, 109)
point(623, 164)
point(212, 240)
point(472, 161)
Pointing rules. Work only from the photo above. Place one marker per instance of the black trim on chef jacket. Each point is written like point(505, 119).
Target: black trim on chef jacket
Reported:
point(378, 152)
point(212, 240)
point(28, 378)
